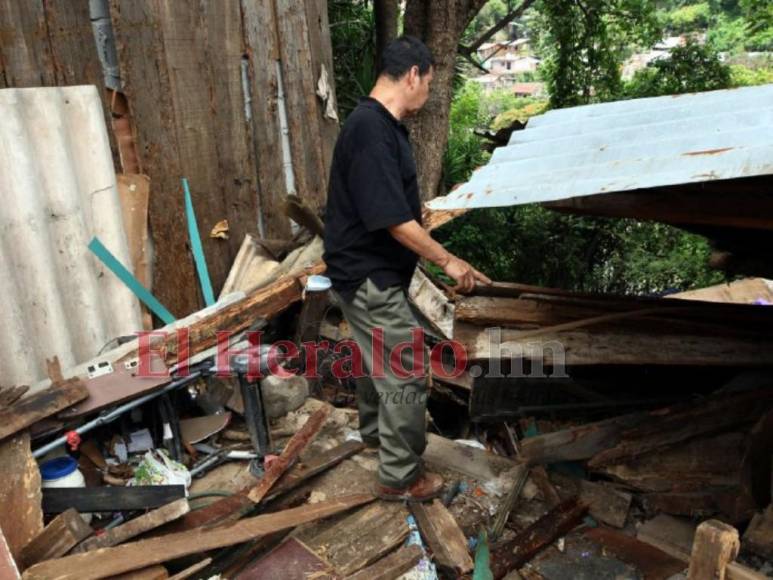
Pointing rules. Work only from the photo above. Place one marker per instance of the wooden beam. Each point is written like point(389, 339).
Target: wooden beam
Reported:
point(557, 522)
point(759, 535)
point(109, 499)
point(21, 518)
point(133, 556)
point(716, 545)
point(40, 405)
point(444, 537)
point(290, 453)
point(56, 539)
point(137, 526)
point(650, 561)
point(237, 505)
point(8, 568)
point(392, 566)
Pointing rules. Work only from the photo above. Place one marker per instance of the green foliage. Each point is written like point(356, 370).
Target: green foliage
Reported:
point(583, 42)
point(689, 68)
point(464, 152)
point(727, 34)
point(742, 76)
point(689, 18)
point(521, 113)
point(352, 30)
point(533, 245)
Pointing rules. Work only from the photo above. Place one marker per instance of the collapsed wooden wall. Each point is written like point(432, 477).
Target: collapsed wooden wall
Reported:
point(182, 66)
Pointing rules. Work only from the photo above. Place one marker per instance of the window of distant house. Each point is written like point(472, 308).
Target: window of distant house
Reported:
point(509, 65)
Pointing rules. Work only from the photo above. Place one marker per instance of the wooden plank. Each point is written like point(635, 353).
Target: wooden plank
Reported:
point(666, 427)
point(363, 537)
point(651, 562)
point(476, 463)
point(191, 570)
point(303, 110)
point(26, 53)
point(56, 539)
point(758, 537)
point(716, 544)
point(262, 50)
point(137, 526)
point(605, 503)
point(433, 303)
point(185, 56)
point(134, 194)
point(514, 553)
point(444, 537)
point(746, 291)
point(40, 405)
point(133, 556)
point(109, 499)
point(391, 566)
point(8, 568)
point(290, 453)
point(233, 507)
point(600, 346)
point(150, 573)
point(147, 86)
point(291, 560)
point(305, 470)
point(232, 129)
point(21, 518)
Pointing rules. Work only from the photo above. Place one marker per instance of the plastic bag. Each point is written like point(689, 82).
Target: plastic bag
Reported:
point(157, 468)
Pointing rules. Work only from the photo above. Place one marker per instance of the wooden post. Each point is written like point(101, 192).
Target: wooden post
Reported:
point(716, 545)
point(56, 539)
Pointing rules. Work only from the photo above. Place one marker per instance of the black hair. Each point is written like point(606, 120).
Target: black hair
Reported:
point(402, 54)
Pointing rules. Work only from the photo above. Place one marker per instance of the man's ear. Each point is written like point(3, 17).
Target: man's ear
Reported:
point(414, 75)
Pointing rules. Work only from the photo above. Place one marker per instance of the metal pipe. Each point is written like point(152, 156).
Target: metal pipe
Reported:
point(110, 416)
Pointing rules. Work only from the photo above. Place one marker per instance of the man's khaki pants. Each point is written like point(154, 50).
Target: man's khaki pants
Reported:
point(392, 409)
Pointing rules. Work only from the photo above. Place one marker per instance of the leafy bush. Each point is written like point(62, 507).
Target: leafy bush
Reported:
point(464, 152)
point(689, 18)
point(689, 68)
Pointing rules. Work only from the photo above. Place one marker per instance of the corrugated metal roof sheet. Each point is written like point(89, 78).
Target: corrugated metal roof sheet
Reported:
point(627, 145)
point(57, 190)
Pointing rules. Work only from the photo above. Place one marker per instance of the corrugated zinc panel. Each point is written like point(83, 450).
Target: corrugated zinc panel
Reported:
point(625, 146)
point(57, 190)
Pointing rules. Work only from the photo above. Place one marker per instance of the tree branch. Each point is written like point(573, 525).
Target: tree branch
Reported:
point(504, 21)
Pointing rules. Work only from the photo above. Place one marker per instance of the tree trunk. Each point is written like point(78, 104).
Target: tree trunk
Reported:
point(386, 12)
point(440, 24)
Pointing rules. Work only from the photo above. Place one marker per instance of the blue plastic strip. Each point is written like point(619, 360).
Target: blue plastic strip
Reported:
point(131, 282)
point(198, 251)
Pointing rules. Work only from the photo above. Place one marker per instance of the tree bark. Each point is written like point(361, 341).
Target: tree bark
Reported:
point(386, 12)
point(440, 24)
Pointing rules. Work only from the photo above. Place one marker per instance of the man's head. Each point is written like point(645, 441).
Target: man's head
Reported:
point(406, 65)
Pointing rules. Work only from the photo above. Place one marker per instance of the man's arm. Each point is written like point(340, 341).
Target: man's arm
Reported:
point(416, 238)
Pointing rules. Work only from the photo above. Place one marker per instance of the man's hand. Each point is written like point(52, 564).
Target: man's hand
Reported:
point(464, 274)
point(413, 236)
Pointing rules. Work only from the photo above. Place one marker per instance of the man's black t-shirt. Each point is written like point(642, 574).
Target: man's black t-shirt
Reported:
point(372, 186)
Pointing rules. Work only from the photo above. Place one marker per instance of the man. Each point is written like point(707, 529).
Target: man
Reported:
point(373, 238)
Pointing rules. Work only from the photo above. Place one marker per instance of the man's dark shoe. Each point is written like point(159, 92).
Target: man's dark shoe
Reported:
point(427, 487)
point(371, 446)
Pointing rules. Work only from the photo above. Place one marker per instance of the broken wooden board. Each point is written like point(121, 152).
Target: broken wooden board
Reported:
point(107, 562)
point(605, 503)
point(135, 527)
point(476, 463)
point(759, 535)
point(290, 453)
point(40, 405)
point(237, 505)
point(716, 544)
point(651, 562)
point(514, 553)
point(392, 566)
point(150, 573)
point(109, 499)
point(134, 195)
point(746, 291)
point(198, 429)
point(361, 538)
point(442, 534)
point(57, 538)
point(21, 518)
point(8, 568)
point(433, 304)
point(291, 560)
